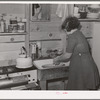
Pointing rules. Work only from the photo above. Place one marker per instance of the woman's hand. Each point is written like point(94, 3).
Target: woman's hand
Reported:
point(56, 60)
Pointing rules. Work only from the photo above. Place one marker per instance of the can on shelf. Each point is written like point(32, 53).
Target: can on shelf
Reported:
point(22, 25)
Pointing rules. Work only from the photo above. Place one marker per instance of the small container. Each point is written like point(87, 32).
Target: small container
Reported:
point(15, 28)
point(21, 26)
point(12, 28)
point(13, 21)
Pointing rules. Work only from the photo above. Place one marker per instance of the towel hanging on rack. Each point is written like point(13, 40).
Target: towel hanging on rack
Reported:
point(64, 10)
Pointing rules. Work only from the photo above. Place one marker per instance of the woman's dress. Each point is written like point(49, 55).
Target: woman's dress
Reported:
point(83, 72)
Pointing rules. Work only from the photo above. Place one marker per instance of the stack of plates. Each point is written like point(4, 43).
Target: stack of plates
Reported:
point(93, 15)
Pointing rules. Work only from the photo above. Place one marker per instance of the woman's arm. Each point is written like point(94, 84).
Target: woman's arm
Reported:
point(63, 58)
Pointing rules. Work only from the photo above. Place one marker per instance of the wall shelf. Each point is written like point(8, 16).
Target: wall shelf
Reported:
point(90, 20)
point(5, 34)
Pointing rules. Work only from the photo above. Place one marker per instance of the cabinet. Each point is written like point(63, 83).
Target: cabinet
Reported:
point(11, 43)
point(96, 43)
point(46, 76)
point(46, 30)
point(93, 37)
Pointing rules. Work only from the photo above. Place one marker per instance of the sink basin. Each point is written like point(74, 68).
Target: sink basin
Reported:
point(48, 63)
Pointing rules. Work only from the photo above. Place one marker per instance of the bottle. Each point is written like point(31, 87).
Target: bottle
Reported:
point(2, 24)
point(33, 51)
point(39, 49)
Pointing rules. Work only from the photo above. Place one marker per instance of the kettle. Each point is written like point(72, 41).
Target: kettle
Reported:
point(23, 61)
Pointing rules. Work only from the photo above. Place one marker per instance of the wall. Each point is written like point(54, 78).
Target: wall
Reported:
point(48, 32)
point(12, 8)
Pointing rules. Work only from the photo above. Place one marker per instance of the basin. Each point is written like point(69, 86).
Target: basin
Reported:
point(48, 63)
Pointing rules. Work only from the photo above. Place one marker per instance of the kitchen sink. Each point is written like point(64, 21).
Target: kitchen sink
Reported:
point(48, 63)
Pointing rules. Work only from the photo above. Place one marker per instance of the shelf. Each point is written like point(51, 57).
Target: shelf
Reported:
point(89, 20)
point(3, 34)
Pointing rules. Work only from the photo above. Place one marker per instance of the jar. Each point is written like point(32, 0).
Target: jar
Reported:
point(21, 25)
point(12, 28)
point(13, 21)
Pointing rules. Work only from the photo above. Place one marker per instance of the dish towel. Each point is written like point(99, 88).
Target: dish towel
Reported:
point(64, 10)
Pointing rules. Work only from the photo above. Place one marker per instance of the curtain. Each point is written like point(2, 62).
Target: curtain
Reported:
point(65, 10)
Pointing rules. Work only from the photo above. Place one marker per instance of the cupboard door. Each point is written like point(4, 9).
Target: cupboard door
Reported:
point(47, 30)
point(96, 43)
point(87, 28)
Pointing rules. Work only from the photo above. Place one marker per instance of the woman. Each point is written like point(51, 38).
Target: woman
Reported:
point(83, 72)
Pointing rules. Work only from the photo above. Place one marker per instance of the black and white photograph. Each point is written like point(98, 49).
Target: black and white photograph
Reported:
point(50, 47)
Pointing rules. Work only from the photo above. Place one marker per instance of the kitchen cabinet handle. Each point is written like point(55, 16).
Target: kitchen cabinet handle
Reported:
point(50, 34)
point(12, 39)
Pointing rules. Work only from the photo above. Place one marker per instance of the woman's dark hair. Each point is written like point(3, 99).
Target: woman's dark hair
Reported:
point(70, 23)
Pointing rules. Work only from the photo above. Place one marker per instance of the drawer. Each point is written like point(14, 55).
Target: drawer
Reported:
point(44, 35)
point(12, 38)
